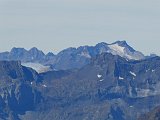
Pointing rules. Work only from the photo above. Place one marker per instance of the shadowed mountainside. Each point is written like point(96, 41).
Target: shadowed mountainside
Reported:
point(109, 88)
point(152, 115)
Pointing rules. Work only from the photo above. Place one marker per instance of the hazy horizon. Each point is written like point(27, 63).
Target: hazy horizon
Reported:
point(53, 25)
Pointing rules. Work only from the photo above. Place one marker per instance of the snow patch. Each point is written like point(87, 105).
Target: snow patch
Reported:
point(37, 67)
point(85, 54)
point(153, 70)
point(101, 80)
point(117, 48)
point(99, 76)
point(44, 85)
point(132, 73)
point(121, 78)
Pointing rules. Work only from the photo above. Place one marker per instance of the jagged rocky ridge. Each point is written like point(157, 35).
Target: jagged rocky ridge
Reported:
point(71, 58)
point(108, 88)
point(16, 93)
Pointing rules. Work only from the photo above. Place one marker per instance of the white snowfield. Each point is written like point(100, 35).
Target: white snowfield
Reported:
point(119, 50)
point(37, 67)
point(116, 49)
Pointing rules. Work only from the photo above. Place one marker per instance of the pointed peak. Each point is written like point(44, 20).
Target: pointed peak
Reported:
point(67, 50)
point(101, 44)
point(120, 42)
point(34, 49)
point(123, 43)
point(50, 54)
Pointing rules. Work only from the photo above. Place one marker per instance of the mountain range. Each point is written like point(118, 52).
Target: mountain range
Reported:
point(71, 58)
point(115, 82)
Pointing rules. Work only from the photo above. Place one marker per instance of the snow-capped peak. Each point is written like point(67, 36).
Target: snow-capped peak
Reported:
point(121, 42)
point(122, 49)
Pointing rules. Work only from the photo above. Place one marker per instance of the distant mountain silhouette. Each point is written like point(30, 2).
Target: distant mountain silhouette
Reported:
point(71, 58)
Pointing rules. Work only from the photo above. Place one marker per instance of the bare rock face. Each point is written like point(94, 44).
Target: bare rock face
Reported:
point(16, 93)
point(110, 87)
point(152, 115)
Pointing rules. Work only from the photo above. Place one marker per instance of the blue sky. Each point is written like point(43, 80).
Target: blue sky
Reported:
point(52, 25)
